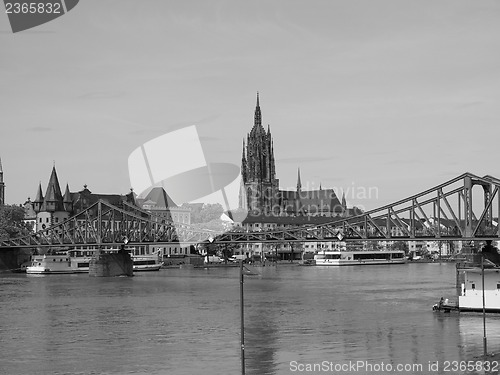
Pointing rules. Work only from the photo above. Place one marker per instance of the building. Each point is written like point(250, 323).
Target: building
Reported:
point(260, 193)
point(159, 203)
point(2, 186)
point(270, 207)
point(55, 207)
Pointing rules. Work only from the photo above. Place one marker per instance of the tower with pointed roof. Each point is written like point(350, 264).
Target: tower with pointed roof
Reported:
point(37, 203)
point(2, 186)
point(260, 193)
point(51, 208)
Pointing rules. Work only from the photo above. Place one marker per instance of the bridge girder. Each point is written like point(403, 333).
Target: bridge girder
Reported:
point(430, 215)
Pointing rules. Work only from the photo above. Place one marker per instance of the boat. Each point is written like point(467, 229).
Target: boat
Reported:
point(354, 258)
point(147, 262)
point(59, 263)
point(471, 290)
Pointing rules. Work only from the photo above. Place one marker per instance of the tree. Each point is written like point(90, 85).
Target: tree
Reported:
point(204, 213)
point(210, 212)
point(12, 223)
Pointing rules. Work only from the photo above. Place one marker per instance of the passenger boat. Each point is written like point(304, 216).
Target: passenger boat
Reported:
point(59, 263)
point(471, 291)
point(148, 262)
point(354, 258)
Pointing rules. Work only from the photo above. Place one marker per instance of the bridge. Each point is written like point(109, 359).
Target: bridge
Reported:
point(461, 209)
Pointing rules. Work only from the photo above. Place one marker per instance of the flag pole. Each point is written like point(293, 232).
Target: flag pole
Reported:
point(484, 306)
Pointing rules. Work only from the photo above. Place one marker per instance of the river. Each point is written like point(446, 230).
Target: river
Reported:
point(187, 321)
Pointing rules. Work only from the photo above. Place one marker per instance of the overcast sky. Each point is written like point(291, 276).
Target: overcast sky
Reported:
point(394, 95)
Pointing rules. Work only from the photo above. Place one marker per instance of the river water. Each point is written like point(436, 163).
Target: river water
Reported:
point(187, 321)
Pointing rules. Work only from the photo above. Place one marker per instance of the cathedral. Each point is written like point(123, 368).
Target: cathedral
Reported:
point(260, 194)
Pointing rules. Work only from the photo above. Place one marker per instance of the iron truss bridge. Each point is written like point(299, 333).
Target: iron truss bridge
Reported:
point(465, 208)
point(447, 212)
point(103, 224)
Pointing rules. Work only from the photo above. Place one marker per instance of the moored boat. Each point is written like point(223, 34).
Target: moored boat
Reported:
point(353, 258)
point(147, 262)
point(471, 294)
point(470, 297)
point(59, 263)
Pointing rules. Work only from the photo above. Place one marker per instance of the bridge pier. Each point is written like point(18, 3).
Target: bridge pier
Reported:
point(111, 264)
point(12, 259)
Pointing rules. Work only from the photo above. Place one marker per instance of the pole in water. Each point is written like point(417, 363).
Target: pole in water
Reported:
point(484, 307)
point(242, 320)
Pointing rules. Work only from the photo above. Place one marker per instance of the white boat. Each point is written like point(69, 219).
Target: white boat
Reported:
point(59, 263)
point(147, 262)
point(471, 295)
point(354, 258)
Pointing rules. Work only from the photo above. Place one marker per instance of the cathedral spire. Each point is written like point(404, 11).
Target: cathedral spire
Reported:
point(258, 115)
point(299, 184)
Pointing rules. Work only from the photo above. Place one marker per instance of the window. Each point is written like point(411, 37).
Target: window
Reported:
point(473, 286)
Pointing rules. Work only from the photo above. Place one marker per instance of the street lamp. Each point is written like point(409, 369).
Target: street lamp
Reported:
point(484, 306)
point(242, 318)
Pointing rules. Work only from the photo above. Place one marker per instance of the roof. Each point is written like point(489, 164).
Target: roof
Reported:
point(157, 199)
point(53, 193)
point(312, 201)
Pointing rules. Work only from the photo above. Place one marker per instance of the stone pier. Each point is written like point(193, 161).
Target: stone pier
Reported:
point(110, 264)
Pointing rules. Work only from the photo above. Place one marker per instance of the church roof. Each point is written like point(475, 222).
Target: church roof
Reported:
point(313, 200)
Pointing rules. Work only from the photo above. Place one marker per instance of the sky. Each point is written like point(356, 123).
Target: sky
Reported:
point(382, 99)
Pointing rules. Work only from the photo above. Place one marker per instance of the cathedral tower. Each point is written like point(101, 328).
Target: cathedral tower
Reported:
point(258, 169)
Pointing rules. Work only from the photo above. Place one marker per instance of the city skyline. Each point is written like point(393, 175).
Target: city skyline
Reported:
point(395, 97)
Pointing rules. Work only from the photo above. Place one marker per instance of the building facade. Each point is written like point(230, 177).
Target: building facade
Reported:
point(54, 207)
